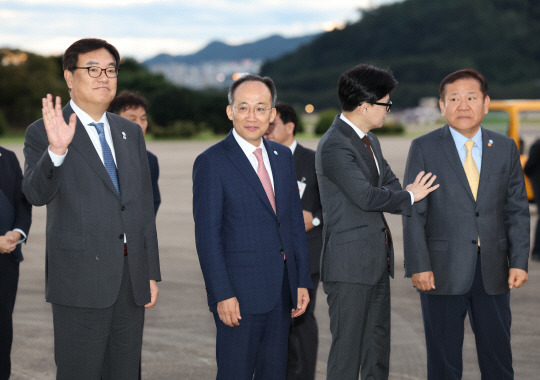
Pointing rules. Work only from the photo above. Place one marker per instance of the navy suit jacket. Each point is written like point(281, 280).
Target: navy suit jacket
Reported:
point(154, 175)
point(240, 240)
point(19, 214)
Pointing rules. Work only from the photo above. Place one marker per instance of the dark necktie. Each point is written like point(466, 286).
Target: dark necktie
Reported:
point(108, 159)
point(366, 141)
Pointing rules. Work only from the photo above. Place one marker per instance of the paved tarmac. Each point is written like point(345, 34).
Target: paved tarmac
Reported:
point(179, 335)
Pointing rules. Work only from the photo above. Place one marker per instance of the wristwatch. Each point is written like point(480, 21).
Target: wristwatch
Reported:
point(316, 221)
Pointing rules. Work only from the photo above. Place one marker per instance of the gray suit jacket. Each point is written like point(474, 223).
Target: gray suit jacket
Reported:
point(353, 201)
point(87, 219)
point(441, 233)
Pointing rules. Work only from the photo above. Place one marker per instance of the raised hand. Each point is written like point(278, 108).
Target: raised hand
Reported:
point(422, 185)
point(59, 133)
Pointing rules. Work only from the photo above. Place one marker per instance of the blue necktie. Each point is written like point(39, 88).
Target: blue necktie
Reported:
point(107, 155)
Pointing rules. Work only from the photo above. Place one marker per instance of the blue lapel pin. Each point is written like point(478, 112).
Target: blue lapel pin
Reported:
point(275, 152)
point(490, 143)
point(124, 135)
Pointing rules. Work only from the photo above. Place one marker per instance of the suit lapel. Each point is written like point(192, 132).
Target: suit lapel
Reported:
point(489, 160)
point(121, 153)
point(369, 169)
point(241, 162)
point(448, 146)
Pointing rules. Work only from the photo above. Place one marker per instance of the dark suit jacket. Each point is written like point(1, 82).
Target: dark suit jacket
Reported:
point(353, 201)
point(87, 219)
point(240, 240)
point(441, 233)
point(15, 209)
point(154, 175)
point(304, 164)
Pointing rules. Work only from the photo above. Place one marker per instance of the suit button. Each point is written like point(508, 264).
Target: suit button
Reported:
point(121, 236)
point(475, 242)
point(279, 225)
point(282, 251)
point(477, 214)
point(123, 208)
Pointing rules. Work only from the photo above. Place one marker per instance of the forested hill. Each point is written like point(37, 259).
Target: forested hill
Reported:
point(421, 41)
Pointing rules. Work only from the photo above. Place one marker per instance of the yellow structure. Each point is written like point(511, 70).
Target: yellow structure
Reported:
point(513, 107)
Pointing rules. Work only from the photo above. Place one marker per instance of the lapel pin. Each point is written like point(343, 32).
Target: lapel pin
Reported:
point(124, 135)
point(490, 143)
point(275, 152)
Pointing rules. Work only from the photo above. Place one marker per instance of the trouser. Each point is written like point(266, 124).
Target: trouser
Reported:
point(94, 344)
point(9, 278)
point(490, 317)
point(360, 328)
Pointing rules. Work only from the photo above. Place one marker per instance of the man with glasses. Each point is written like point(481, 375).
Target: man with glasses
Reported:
point(356, 186)
point(91, 170)
point(250, 238)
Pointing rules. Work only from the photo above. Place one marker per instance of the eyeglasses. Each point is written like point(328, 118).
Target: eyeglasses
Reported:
point(387, 105)
point(95, 71)
point(259, 110)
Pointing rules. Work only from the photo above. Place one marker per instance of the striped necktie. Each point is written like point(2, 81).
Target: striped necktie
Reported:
point(108, 159)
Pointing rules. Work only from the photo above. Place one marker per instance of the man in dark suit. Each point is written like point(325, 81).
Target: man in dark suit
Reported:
point(532, 169)
point(15, 220)
point(357, 185)
point(91, 170)
point(304, 332)
point(467, 245)
point(134, 107)
point(250, 238)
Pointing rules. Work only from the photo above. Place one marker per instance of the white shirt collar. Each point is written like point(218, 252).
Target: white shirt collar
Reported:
point(84, 117)
point(293, 146)
point(247, 147)
point(354, 127)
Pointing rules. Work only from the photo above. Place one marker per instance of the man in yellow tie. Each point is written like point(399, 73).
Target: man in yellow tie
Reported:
point(481, 199)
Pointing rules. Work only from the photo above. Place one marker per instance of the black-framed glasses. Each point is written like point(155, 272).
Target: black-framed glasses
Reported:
point(95, 71)
point(387, 105)
point(244, 109)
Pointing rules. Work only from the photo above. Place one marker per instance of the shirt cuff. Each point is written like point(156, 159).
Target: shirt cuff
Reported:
point(22, 234)
point(56, 159)
point(412, 197)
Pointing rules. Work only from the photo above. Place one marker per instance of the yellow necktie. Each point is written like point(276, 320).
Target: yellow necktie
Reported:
point(471, 170)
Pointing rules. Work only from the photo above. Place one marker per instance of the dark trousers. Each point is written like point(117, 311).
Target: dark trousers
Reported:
point(304, 340)
point(94, 344)
point(257, 349)
point(360, 328)
point(9, 278)
point(536, 247)
point(490, 317)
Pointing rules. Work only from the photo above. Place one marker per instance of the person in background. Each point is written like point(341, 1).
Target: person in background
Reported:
point(304, 332)
point(467, 245)
point(134, 107)
point(15, 221)
point(532, 169)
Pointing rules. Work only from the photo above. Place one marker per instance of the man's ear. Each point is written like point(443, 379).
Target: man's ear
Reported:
point(68, 76)
point(229, 112)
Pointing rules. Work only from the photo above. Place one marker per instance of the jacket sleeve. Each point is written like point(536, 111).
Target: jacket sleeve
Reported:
point(208, 217)
point(340, 166)
point(414, 236)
